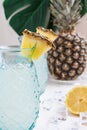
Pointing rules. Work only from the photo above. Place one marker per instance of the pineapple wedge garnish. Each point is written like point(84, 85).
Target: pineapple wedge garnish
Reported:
point(34, 45)
point(47, 33)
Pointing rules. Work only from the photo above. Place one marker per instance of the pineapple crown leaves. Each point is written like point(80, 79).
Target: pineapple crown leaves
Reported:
point(65, 13)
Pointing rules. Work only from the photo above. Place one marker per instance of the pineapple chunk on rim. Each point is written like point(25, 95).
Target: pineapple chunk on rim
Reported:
point(47, 33)
point(40, 45)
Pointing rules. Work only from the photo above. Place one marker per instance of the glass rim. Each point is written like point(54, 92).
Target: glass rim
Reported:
point(14, 48)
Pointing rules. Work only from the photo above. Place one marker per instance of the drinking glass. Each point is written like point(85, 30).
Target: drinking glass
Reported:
point(20, 90)
point(41, 69)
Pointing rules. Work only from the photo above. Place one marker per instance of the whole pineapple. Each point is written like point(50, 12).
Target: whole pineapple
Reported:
point(68, 60)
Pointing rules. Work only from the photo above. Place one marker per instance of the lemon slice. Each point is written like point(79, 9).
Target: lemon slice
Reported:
point(47, 33)
point(34, 45)
point(76, 100)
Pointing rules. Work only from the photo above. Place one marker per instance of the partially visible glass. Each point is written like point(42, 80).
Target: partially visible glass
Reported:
point(41, 68)
point(42, 72)
point(83, 121)
point(20, 90)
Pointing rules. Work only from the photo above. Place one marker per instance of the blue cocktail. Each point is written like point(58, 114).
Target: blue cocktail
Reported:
point(20, 89)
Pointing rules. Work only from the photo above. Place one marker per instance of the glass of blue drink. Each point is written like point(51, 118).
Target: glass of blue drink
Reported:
point(20, 89)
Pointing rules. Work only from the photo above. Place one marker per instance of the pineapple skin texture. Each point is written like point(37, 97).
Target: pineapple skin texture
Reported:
point(68, 60)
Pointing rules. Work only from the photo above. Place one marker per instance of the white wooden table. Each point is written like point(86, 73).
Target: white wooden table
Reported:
point(54, 93)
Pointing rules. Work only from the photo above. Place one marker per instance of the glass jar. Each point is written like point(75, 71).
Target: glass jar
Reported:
point(20, 90)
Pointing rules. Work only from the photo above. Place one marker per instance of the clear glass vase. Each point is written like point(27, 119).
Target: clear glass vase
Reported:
point(20, 90)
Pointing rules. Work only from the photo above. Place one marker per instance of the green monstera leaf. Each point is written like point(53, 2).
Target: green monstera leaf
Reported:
point(28, 14)
point(84, 7)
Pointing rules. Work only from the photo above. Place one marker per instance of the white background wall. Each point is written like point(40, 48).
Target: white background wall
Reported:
point(9, 37)
point(82, 26)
